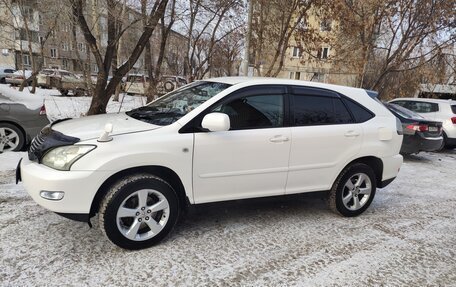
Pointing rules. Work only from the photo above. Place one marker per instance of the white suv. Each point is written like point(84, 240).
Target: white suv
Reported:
point(436, 110)
point(214, 140)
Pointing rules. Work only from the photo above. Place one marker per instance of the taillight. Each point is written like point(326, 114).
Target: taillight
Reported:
point(453, 120)
point(417, 127)
point(42, 110)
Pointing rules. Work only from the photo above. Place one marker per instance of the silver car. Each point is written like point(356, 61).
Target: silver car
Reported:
point(4, 73)
point(18, 124)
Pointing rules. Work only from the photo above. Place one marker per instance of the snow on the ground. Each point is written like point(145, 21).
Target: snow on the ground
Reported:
point(58, 107)
point(9, 160)
point(406, 238)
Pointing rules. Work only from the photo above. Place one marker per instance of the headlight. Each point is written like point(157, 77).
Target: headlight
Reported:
point(62, 158)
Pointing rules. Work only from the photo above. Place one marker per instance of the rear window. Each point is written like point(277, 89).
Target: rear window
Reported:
point(453, 108)
point(135, 79)
point(405, 113)
point(360, 113)
point(419, 107)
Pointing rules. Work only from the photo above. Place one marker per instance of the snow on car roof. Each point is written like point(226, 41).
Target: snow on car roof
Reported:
point(424, 100)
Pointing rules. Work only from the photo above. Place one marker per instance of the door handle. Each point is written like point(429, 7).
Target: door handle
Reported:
point(279, 139)
point(351, 134)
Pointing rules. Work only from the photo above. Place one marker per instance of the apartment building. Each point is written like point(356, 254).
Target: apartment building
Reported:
point(304, 59)
point(56, 42)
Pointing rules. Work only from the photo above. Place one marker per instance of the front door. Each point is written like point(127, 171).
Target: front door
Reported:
point(249, 160)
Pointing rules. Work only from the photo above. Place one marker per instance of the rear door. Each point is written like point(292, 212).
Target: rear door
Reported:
point(324, 137)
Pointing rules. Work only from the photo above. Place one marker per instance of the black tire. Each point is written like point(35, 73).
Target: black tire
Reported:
point(2, 81)
point(123, 192)
point(339, 190)
point(9, 129)
point(443, 146)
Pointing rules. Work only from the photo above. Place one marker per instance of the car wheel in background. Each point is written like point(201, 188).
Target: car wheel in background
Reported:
point(444, 142)
point(138, 211)
point(353, 190)
point(2, 81)
point(11, 138)
point(169, 86)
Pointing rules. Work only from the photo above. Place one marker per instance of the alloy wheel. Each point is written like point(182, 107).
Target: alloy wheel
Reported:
point(356, 191)
point(143, 214)
point(9, 139)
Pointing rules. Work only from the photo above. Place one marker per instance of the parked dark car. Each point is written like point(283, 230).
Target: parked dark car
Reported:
point(18, 124)
point(420, 134)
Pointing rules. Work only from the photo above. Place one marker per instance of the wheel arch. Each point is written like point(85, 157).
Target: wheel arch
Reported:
point(375, 163)
point(163, 172)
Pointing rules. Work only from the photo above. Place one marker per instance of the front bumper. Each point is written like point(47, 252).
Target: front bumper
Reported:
point(416, 143)
point(79, 187)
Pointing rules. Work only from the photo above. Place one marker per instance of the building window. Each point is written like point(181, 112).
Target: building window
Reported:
point(40, 19)
point(297, 76)
point(65, 46)
point(296, 53)
point(53, 53)
point(81, 47)
point(291, 75)
point(303, 24)
point(66, 27)
point(325, 25)
point(26, 60)
point(65, 64)
point(324, 54)
point(318, 77)
point(5, 52)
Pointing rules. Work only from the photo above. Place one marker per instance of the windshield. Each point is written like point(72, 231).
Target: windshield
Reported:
point(406, 113)
point(173, 106)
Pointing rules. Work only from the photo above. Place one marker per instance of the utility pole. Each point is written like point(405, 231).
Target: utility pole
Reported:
point(245, 64)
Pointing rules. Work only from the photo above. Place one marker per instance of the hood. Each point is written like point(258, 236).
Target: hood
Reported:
point(93, 126)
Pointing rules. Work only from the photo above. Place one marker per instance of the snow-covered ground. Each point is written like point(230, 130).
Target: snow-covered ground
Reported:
point(59, 107)
point(406, 238)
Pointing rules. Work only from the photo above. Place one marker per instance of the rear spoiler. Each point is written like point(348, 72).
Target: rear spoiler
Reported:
point(372, 94)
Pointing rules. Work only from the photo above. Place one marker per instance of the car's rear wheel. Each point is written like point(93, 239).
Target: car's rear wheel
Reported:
point(138, 211)
point(353, 190)
point(11, 138)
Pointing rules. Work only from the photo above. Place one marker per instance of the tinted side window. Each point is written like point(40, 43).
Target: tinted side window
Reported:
point(315, 110)
point(252, 112)
point(360, 113)
point(9, 71)
point(453, 108)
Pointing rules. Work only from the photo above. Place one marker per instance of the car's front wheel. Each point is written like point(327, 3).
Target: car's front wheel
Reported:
point(353, 190)
point(138, 211)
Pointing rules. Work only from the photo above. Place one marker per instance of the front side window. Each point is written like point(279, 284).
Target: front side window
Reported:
point(254, 112)
point(173, 106)
point(319, 110)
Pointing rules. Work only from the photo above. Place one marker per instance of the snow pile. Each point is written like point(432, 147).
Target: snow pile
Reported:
point(31, 101)
point(58, 107)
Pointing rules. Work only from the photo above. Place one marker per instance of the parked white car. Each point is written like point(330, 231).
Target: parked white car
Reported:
point(6, 72)
point(437, 110)
point(214, 140)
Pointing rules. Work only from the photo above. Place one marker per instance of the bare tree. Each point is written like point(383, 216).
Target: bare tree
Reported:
point(207, 24)
point(390, 37)
point(104, 89)
point(275, 23)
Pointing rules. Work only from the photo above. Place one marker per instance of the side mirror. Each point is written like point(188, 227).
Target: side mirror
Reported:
point(216, 122)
